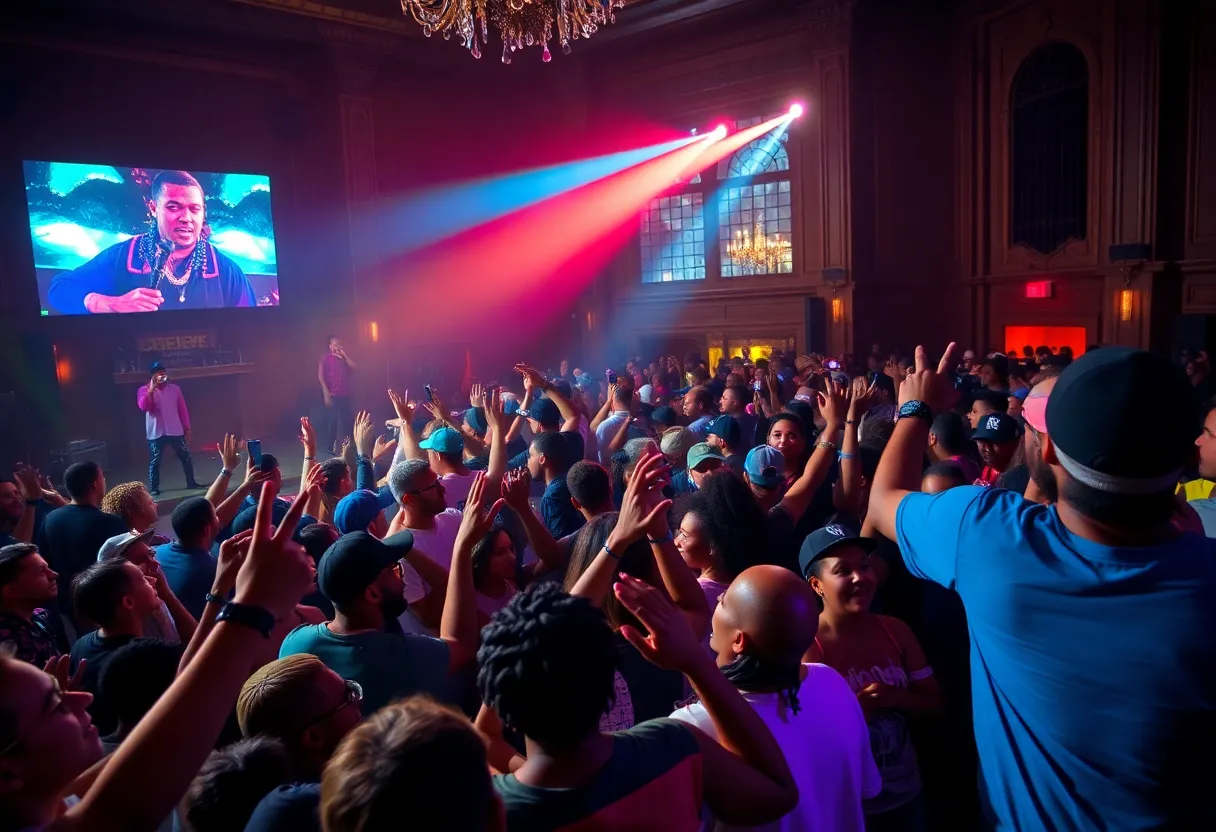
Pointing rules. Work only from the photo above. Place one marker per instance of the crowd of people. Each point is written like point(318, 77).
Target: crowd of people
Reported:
point(794, 593)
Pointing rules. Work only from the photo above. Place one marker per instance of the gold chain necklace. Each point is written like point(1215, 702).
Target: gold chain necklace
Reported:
point(166, 272)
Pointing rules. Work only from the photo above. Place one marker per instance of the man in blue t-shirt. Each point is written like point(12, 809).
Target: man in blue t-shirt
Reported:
point(361, 576)
point(1090, 619)
point(548, 463)
point(187, 562)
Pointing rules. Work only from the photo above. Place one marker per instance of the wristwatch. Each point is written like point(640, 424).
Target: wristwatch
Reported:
point(914, 409)
point(248, 615)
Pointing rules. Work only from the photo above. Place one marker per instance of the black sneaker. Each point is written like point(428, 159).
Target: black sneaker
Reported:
point(193, 486)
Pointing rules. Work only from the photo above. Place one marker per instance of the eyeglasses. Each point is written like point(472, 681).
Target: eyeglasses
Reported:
point(435, 484)
point(353, 697)
point(56, 703)
point(398, 570)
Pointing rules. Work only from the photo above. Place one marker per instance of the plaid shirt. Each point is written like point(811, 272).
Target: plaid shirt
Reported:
point(32, 641)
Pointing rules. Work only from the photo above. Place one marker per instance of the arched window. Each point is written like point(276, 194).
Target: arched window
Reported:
point(1050, 148)
point(751, 189)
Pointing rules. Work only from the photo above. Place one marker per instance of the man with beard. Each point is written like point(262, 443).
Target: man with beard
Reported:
point(1089, 620)
point(170, 263)
point(361, 576)
point(27, 585)
point(1042, 488)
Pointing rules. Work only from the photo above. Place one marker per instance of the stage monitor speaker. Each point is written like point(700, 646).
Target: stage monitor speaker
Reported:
point(816, 314)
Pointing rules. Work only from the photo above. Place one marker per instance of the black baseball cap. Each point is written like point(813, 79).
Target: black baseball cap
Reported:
point(996, 427)
point(355, 560)
point(1100, 438)
point(820, 543)
point(156, 367)
point(665, 415)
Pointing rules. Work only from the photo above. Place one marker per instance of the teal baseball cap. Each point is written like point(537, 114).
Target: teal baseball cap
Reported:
point(443, 440)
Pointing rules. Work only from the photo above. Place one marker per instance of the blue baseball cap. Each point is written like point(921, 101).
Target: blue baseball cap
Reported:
point(510, 406)
point(545, 412)
point(475, 417)
point(765, 466)
point(727, 429)
point(443, 440)
point(822, 542)
point(356, 511)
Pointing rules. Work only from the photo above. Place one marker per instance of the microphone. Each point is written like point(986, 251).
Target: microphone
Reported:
point(163, 250)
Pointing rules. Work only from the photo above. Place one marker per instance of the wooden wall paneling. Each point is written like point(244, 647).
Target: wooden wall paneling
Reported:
point(1133, 54)
point(1079, 301)
point(834, 242)
point(1198, 279)
point(1013, 34)
point(1201, 173)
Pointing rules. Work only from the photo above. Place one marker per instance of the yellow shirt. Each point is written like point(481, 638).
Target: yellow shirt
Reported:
point(1199, 489)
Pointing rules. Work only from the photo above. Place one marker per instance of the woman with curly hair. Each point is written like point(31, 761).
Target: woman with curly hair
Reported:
point(722, 531)
point(132, 502)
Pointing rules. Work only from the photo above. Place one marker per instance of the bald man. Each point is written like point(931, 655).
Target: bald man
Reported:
point(762, 626)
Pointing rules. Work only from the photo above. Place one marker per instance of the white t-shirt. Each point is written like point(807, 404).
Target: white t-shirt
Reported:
point(830, 758)
point(436, 543)
point(456, 488)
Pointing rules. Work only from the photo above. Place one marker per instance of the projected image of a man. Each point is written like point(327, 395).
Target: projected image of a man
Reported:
point(170, 266)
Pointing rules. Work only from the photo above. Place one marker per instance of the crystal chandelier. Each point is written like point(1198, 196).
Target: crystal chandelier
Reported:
point(758, 252)
point(521, 23)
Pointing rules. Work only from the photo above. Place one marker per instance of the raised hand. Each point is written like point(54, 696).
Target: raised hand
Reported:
point(643, 504)
point(228, 452)
point(496, 417)
point(670, 642)
point(277, 571)
point(476, 520)
point(384, 447)
point(533, 378)
point(516, 488)
point(477, 396)
point(136, 300)
point(308, 436)
point(232, 555)
point(27, 482)
point(363, 433)
point(833, 403)
point(315, 480)
point(59, 667)
point(925, 384)
point(403, 406)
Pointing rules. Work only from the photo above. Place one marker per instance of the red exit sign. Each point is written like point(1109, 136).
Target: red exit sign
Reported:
point(1040, 289)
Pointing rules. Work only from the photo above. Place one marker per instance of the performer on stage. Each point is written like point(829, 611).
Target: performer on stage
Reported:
point(171, 264)
point(334, 373)
point(168, 425)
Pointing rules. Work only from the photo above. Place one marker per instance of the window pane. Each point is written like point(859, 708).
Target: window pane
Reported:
point(672, 229)
point(767, 154)
point(766, 221)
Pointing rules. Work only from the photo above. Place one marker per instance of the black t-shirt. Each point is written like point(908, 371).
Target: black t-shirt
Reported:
point(97, 650)
point(69, 540)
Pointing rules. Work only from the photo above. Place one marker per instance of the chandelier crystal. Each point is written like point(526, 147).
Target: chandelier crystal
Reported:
point(758, 252)
point(520, 23)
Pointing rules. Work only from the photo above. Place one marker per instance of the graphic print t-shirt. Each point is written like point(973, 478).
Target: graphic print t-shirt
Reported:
point(652, 781)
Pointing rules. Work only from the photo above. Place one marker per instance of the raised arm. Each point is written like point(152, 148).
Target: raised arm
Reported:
point(154, 766)
point(458, 627)
point(308, 438)
point(850, 460)
point(564, 406)
point(899, 469)
point(746, 778)
point(516, 486)
point(496, 421)
point(833, 407)
point(407, 444)
point(228, 510)
point(640, 507)
point(228, 461)
point(147, 397)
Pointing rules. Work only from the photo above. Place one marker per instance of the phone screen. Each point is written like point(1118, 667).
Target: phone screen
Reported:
point(255, 450)
point(430, 394)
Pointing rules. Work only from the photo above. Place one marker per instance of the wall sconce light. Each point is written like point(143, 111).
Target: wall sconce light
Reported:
point(837, 310)
point(373, 332)
point(590, 321)
point(1127, 297)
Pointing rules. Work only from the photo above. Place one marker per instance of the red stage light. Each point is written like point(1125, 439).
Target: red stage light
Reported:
point(719, 133)
point(796, 110)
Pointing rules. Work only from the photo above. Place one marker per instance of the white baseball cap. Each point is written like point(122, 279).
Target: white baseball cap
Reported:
point(116, 545)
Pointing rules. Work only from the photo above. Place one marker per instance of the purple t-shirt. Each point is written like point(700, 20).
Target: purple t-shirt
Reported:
point(336, 373)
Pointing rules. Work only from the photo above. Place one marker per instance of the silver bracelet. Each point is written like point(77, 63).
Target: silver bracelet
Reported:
point(224, 472)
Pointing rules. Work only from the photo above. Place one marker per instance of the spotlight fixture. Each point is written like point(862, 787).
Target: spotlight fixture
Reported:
point(719, 133)
point(796, 110)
